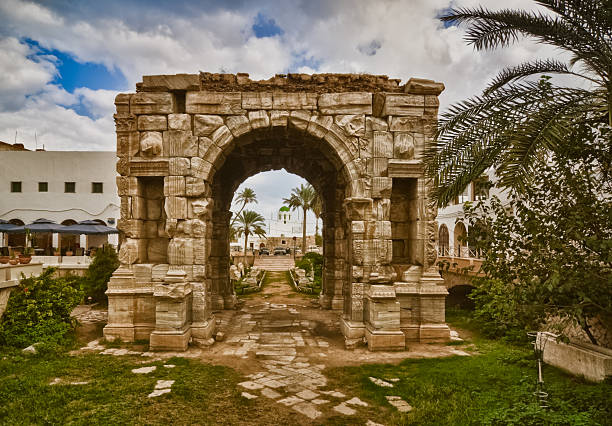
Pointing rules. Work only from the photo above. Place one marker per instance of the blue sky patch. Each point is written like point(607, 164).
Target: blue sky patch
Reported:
point(265, 27)
point(301, 60)
point(73, 74)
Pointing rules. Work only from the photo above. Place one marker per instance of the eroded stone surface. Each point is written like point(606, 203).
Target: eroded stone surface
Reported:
point(184, 140)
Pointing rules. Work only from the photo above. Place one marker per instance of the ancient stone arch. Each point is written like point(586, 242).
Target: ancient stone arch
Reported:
point(185, 143)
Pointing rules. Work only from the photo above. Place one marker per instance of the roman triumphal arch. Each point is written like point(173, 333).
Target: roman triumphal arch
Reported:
point(184, 144)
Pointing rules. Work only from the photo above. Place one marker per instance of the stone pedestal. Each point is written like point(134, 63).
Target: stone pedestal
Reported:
point(382, 319)
point(130, 307)
point(353, 332)
point(172, 313)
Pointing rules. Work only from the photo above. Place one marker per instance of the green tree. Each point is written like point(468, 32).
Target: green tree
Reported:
point(246, 196)
point(38, 310)
point(99, 273)
point(302, 197)
point(549, 253)
point(250, 223)
point(517, 121)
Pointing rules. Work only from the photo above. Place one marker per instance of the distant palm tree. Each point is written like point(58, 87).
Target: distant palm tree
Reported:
point(515, 124)
point(246, 196)
point(250, 223)
point(317, 209)
point(302, 197)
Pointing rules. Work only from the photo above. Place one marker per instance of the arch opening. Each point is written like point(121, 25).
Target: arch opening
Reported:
point(303, 155)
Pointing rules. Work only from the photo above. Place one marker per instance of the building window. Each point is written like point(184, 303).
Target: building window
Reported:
point(43, 186)
point(481, 188)
point(464, 196)
point(283, 242)
point(97, 187)
point(15, 186)
point(70, 187)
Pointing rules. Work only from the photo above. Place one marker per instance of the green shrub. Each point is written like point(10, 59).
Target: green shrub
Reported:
point(39, 310)
point(99, 272)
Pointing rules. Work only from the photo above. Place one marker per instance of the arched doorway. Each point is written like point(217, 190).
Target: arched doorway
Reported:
point(460, 240)
point(443, 241)
point(185, 143)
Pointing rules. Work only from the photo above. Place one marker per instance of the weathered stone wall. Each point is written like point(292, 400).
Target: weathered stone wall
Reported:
point(356, 138)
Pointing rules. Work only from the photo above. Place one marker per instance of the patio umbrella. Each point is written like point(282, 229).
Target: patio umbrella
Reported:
point(43, 226)
point(6, 226)
point(88, 227)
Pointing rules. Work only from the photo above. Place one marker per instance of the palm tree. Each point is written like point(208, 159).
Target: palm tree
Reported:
point(302, 197)
point(250, 223)
point(317, 209)
point(516, 123)
point(245, 197)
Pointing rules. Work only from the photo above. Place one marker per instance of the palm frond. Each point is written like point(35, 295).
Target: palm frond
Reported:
point(526, 69)
point(478, 133)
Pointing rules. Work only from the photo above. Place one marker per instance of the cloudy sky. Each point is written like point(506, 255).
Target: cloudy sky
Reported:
point(63, 61)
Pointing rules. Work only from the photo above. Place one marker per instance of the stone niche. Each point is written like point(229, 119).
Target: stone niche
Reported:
point(185, 142)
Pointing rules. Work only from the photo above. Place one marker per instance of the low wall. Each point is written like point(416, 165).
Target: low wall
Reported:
point(580, 359)
point(10, 275)
point(65, 265)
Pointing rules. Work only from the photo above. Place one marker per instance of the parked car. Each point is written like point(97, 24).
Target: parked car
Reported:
point(264, 251)
point(314, 249)
point(280, 251)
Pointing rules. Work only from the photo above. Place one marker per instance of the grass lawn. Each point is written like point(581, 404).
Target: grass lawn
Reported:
point(494, 386)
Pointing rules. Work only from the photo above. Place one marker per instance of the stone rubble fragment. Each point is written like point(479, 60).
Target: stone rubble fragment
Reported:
point(380, 382)
point(144, 370)
point(399, 403)
point(248, 395)
point(356, 401)
point(344, 409)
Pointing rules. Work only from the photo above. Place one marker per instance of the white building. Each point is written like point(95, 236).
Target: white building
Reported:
point(63, 186)
point(452, 227)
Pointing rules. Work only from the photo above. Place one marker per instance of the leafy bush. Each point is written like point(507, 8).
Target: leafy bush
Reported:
point(39, 310)
point(99, 272)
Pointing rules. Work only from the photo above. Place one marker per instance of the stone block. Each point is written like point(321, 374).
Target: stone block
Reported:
point(259, 119)
point(152, 122)
point(205, 125)
point(122, 103)
point(381, 340)
point(375, 124)
point(181, 143)
point(279, 118)
point(152, 103)
point(381, 187)
point(179, 166)
point(142, 272)
point(157, 250)
point(382, 145)
point(204, 145)
point(299, 119)
point(380, 166)
point(128, 186)
point(139, 208)
point(296, 100)
point(404, 124)
point(176, 207)
point(256, 100)
point(200, 168)
point(358, 208)
point(353, 125)
point(128, 143)
point(194, 187)
point(174, 186)
point(238, 125)
point(345, 103)
point(421, 86)
point(151, 144)
point(223, 103)
point(158, 272)
point(319, 125)
point(179, 122)
point(403, 145)
point(222, 137)
point(402, 105)
point(166, 341)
